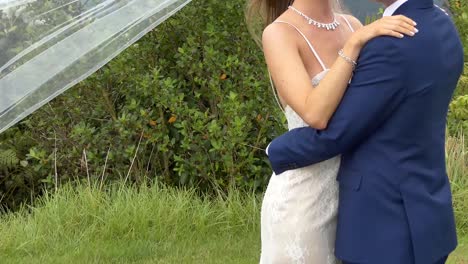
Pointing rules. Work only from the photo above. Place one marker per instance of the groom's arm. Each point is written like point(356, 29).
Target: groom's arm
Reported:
point(375, 92)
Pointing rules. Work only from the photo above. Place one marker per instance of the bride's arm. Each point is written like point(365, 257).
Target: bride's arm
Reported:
point(317, 105)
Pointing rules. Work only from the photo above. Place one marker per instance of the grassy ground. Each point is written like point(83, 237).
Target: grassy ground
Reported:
point(460, 256)
point(83, 224)
point(152, 225)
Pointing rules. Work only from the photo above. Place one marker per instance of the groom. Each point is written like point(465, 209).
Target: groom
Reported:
point(395, 204)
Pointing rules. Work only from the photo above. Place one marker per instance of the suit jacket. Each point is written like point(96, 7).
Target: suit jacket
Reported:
point(395, 204)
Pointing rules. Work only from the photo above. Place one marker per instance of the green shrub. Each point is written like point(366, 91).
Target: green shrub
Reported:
point(458, 114)
point(457, 118)
point(460, 10)
point(462, 88)
point(189, 103)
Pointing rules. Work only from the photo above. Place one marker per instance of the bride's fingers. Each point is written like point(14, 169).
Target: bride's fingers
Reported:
point(404, 18)
point(402, 29)
point(392, 33)
point(404, 24)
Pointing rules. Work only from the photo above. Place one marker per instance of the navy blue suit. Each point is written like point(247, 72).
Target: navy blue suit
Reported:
point(395, 204)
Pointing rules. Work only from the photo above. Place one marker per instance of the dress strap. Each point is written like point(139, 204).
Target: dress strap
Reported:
point(347, 22)
point(308, 43)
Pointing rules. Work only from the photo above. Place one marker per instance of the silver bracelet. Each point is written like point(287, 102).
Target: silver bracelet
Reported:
point(347, 59)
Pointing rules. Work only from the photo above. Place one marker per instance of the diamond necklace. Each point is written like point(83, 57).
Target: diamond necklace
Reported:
point(329, 26)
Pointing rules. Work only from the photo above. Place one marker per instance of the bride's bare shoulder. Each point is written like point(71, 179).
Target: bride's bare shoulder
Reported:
point(278, 32)
point(353, 21)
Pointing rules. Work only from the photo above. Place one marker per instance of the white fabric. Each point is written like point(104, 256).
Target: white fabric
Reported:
point(56, 43)
point(299, 210)
point(393, 7)
point(347, 22)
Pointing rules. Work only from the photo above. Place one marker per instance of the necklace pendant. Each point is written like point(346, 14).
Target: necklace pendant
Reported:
point(310, 21)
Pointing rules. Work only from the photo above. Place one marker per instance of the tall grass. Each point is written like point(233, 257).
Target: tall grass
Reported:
point(81, 224)
point(457, 169)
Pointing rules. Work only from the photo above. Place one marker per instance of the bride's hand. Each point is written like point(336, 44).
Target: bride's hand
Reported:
point(394, 26)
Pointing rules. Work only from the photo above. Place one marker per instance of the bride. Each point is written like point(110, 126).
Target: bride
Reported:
point(310, 49)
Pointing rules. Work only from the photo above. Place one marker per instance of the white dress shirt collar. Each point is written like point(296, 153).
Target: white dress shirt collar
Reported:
point(393, 7)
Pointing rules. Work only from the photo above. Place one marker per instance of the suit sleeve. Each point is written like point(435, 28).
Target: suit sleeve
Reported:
point(375, 91)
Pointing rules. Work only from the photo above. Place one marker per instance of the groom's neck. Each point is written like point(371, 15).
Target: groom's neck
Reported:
point(386, 3)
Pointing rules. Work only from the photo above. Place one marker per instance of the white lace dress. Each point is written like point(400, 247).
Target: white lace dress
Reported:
point(299, 210)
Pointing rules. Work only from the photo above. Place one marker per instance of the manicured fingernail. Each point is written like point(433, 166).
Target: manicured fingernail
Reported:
point(416, 30)
point(415, 23)
point(402, 36)
point(412, 33)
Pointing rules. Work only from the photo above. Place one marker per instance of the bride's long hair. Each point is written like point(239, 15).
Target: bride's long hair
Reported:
point(261, 13)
